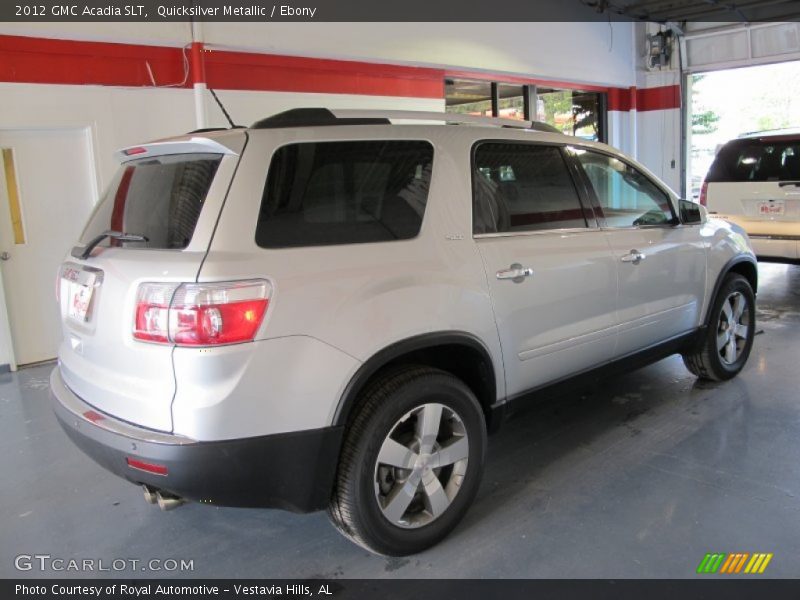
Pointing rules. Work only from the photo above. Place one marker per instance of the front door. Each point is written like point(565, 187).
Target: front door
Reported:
point(551, 275)
point(662, 264)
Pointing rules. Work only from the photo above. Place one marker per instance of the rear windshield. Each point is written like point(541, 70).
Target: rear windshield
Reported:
point(757, 160)
point(327, 193)
point(159, 197)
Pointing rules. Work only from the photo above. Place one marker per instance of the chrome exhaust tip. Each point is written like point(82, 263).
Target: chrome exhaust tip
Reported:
point(168, 502)
point(149, 495)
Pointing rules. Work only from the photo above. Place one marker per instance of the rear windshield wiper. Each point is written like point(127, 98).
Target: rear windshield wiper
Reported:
point(785, 183)
point(116, 235)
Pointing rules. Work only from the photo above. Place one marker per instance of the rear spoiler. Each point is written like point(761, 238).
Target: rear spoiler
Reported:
point(195, 145)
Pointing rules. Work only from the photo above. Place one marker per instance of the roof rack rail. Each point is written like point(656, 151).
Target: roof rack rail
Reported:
point(445, 117)
point(312, 117)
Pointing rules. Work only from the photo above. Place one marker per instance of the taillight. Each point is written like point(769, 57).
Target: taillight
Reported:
point(151, 323)
point(200, 314)
point(704, 193)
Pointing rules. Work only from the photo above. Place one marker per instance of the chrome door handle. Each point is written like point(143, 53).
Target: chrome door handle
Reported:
point(4, 256)
point(516, 273)
point(634, 256)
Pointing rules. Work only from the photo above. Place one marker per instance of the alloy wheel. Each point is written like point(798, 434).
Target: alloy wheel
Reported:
point(421, 465)
point(733, 329)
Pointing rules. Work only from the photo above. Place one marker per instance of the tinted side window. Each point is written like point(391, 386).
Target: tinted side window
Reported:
point(756, 160)
point(627, 197)
point(326, 193)
point(523, 187)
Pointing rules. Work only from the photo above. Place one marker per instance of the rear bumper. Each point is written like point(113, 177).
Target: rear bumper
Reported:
point(769, 239)
point(770, 246)
point(291, 471)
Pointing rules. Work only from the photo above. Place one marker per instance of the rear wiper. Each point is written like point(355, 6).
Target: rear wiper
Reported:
point(785, 183)
point(116, 235)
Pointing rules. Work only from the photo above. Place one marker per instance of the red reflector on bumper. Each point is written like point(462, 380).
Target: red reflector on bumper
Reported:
point(92, 416)
point(146, 466)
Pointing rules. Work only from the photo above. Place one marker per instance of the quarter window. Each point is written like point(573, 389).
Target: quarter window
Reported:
point(328, 193)
point(523, 187)
point(627, 197)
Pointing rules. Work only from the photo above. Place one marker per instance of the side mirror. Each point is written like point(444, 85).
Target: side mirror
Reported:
point(691, 212)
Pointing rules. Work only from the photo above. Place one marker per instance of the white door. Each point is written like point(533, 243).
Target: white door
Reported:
point(551, 274)
point(46, 194)
point(662, 264)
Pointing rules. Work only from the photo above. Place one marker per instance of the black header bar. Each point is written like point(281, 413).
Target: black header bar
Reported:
point(400, 589)
point(398, 11)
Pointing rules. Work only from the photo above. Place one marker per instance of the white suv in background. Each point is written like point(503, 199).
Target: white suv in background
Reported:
point(330, 310)
point(754, 182)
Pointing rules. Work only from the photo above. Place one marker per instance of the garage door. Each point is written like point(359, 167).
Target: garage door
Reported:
point(709, 46)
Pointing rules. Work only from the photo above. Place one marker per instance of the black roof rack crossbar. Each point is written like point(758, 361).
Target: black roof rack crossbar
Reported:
point(312, 117)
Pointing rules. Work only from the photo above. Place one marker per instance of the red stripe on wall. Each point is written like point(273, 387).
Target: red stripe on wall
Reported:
point(621, 99)
point(643, 99)
point(39, 60)
point(268, 72)
point(659, 98)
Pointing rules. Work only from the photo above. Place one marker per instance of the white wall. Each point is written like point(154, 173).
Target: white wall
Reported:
point(658, 132)
point(622, 131)
point(659, 144)
point(658, 135)
point(599, 53)
point(581, 52)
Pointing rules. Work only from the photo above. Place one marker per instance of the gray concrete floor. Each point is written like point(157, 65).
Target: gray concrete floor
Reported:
point(638, 478)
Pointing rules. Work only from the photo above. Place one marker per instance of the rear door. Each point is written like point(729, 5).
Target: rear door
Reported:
point(170, 193)
point(551, 275)
point(756, 183)
point(661, 263)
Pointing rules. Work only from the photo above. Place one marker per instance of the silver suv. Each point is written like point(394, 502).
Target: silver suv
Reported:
point(330, 310)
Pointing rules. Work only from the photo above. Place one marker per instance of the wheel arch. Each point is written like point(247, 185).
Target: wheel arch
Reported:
point(745, 266)
point(459, 353)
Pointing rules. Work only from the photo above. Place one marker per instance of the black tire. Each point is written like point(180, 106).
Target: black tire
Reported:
point(355, 507)
point(706, 360)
